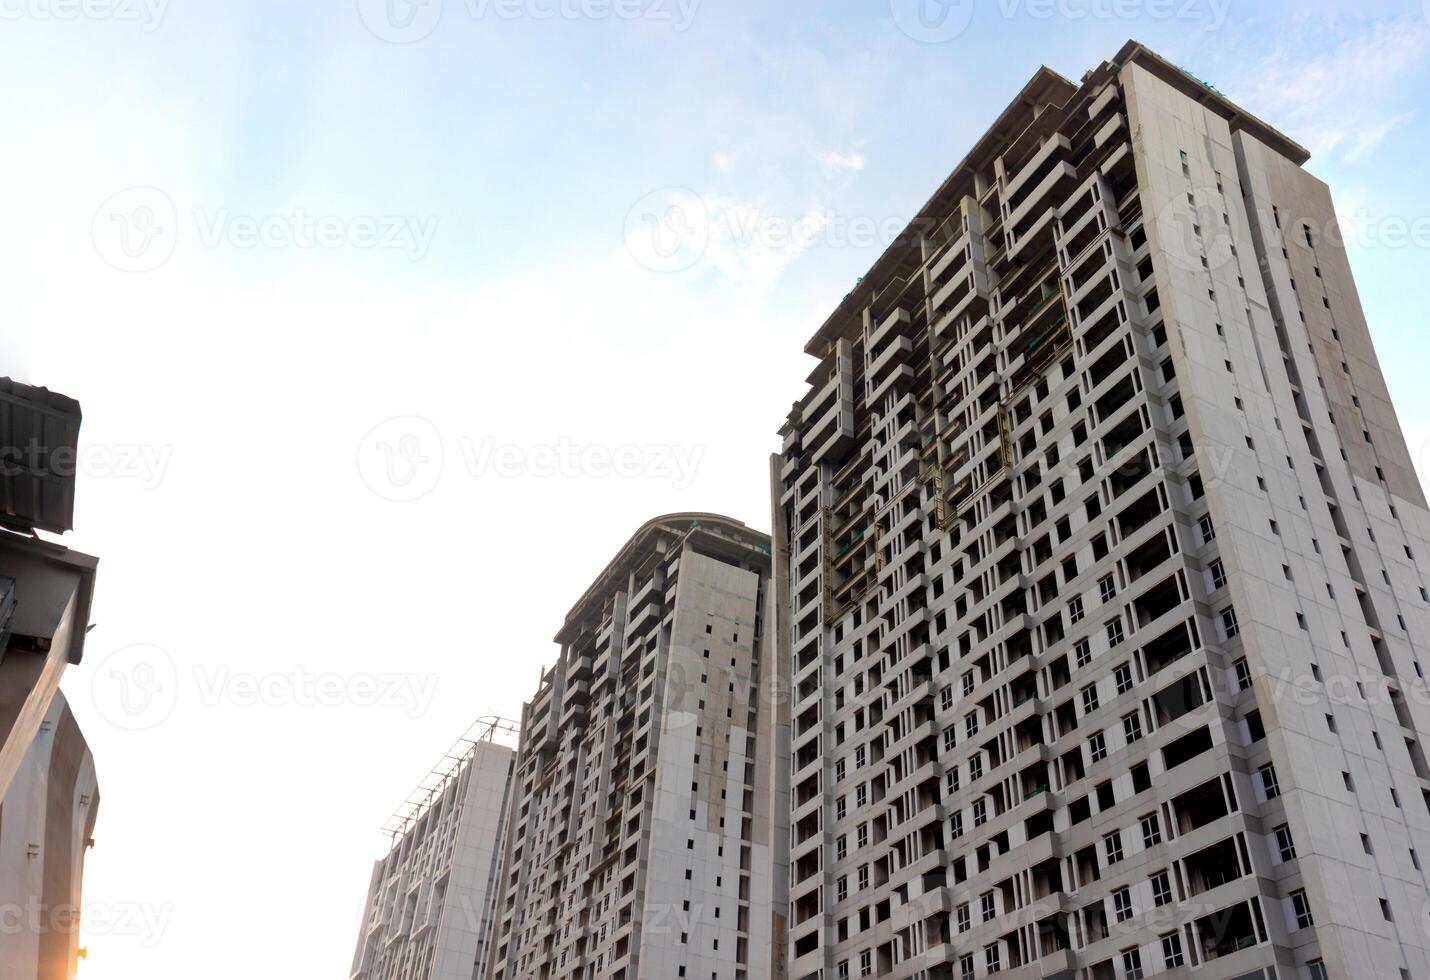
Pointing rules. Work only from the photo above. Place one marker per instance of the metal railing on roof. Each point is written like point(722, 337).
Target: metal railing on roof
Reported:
point(448, 768)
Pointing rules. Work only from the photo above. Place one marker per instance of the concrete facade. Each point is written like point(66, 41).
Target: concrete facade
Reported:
point(45, 594)
point(46, 826)
point(49, 796)
point(647, 825)
point(1096, 567)
point(429, 906)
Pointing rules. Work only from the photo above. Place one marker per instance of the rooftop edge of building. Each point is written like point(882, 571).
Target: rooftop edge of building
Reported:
point(1045, 85)
point(634, 550)
point(483, 731)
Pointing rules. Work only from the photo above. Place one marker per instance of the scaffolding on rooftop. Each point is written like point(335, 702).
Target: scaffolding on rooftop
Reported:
point(488, 728)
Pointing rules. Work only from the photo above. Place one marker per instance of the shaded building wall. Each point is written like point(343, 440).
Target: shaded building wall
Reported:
point(646, 836)
point(46, 823)
point(1321, 527)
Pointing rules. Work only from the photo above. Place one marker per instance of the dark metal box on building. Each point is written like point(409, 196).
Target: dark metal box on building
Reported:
point(38, 457)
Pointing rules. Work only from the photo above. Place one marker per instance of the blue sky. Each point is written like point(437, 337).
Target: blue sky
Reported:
point(478, 305)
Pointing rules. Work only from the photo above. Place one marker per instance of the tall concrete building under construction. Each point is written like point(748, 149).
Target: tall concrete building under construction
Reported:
point(429, 903)
point(1097, 567)
point(648, 824)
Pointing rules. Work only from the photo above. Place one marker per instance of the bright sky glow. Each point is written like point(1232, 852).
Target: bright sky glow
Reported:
point(380, 363)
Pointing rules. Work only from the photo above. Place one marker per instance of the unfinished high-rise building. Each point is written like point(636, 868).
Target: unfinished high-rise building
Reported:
point(648, 824)
point(1097, 565)
point(429, 904)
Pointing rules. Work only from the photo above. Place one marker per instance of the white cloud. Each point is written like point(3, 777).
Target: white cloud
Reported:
point(751, 245)
point(837, 162)
point(726, 244)
point(1345, 99)
point(1368, 138)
